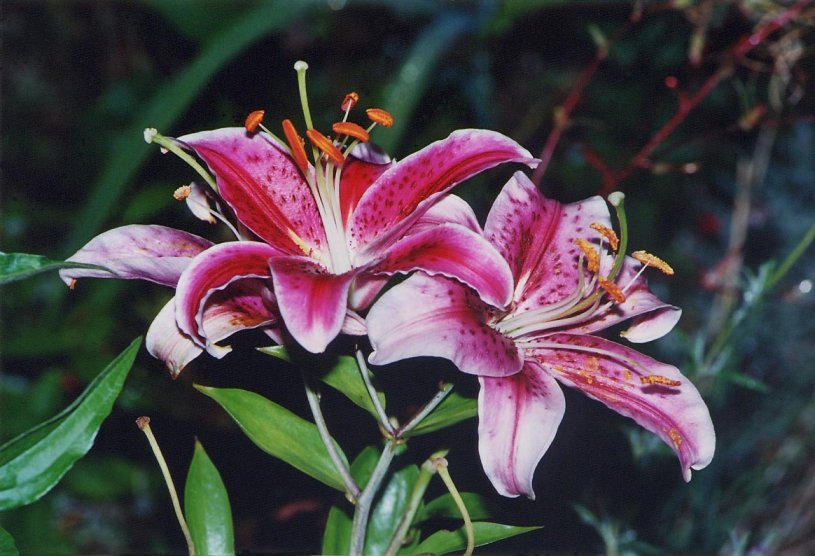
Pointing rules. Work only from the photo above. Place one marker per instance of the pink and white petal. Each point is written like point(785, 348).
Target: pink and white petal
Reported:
point(357, 176)
point(354, 325)
point(518, 417)
point(213, 270)
point(311, 299)
point(244, 304)
point(402, 194)
point(262, 184)
point(536, 237)
point(167, 343)
point(653, 318)
point(438, 317)
point(450, 209)
point(146, 252)
point(655, 395)
point(453, 251)
point(365, 289)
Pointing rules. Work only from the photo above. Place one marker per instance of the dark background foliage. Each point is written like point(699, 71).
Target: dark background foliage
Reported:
point(727, 191)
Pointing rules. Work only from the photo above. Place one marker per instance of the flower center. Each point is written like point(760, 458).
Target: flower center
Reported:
point(328, 156)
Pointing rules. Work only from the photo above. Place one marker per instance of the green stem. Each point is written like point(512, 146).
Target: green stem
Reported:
point(380, 411)
point(426, 473)
point(792, 258)
point(314, 403)
point(425, 411)
point(441, 469)
point(172, 146)
point(360, 523)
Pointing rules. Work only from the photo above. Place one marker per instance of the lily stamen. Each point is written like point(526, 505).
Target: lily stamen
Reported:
point(253, 120)
point(648, 259)
point(325, 145)
point(608, 233)
point(296, 145)
point(380, 116)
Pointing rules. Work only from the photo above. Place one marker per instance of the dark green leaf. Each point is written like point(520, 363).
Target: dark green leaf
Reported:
point(276, 351)
point(19, 266)
point(279, 432)
point(7, 546)
point(479, 507)
point(32, 463)
point(206, 507)
point(389, 509)
point(444, 542)
point(453, 409)
point(337, 534)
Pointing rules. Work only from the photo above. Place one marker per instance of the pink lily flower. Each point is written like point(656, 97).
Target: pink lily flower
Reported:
point(316, 241)
point(568, 286)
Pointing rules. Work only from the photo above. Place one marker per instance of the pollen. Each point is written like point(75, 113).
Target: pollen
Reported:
point(182, 193)
point(592, 257)
point(382, 117)
point(607, 233)
point(326, 145)
point(296, 144)
point(349, 101)
point(351, 130)
point(659, 379)
point(652, 260)
point(253, 120)
point(675, 437)
point(612, 289)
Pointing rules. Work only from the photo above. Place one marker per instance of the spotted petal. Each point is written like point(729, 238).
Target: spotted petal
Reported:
point(655, 395)
point(518, 417)
point(213, 270)
point(312, 300)
point(401, 194)
point(263, 186)
point(536, 237)
point(155, 253)
point(435, 316)
point(357, 176)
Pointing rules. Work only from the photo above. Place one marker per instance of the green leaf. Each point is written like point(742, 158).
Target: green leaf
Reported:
point(169, 103)
point(279, 432)
point(389, 509)
point(7, 546)
point(479, 507)
point(454, 409)
point(19, 266)
point(206, 507)
point(32, 463)
point(276, 351)
point(444, 542)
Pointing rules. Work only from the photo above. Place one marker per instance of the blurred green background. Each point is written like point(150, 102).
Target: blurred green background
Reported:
point(728, 193)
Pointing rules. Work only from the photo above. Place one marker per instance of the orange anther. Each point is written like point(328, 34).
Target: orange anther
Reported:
point(326, 145)
point(182, 193)
point(652, 260)
point(253, 120)
point(611, 289)
point(659, 379)
point(382, 117)
point(298, 152)
point(607, 233)
point(349, 101)
point(592, 256)
point(351, 130)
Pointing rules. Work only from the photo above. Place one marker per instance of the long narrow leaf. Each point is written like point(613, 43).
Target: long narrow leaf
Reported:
point(279, 432)
point(444, 542)
point(206, 507)
point(32, 463)
point(19, 266)
point(7, 546)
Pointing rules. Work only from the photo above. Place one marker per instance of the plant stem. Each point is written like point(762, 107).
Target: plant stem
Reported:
point(363, 509)
point(792, 258)
point(425, 411)
point(441, 468)
point(380, 411)
point(144, 425)
point(351, 486)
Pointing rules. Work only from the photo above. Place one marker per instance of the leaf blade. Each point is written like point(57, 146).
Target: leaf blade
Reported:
point(19, 266)
point(206, 507)
point(444, 542)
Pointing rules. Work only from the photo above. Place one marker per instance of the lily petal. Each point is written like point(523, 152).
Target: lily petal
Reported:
point(312, 300)
point(263, 186)
point(146, 252)
point(518, 417)
point(453, 251)
point(655, 395)
point(401, 194)
point(357, 176)
point(212, 270)
point(450, 209)
point(199, 203)
point(167, 343)
point(435, 316)
point(243, 304)
point(536, 237)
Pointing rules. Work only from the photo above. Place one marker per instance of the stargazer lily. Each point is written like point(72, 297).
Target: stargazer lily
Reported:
point(569, 284)
point(316, 240)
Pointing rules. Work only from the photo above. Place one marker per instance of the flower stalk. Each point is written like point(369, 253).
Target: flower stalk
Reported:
point(363, 509)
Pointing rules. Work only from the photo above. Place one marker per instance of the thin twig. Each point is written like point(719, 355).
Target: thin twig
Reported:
point(425, 411)
point(380, 411)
